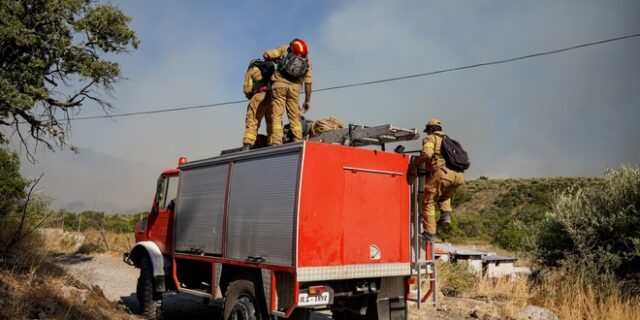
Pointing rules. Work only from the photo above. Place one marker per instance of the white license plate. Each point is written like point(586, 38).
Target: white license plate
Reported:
point(305, 299)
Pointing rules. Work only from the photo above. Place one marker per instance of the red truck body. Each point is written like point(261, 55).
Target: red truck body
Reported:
point(308, 225)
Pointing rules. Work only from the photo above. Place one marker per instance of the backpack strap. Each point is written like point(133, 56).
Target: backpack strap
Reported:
point(438, 145)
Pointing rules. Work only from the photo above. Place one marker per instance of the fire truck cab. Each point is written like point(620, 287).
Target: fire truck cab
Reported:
point(279, 232)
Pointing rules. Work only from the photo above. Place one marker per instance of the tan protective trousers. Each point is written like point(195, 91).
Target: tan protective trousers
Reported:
point(285, 97)
point(439, 188)
point(259, 106)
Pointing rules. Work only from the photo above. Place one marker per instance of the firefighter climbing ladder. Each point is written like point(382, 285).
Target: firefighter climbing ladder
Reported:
point(422, 265)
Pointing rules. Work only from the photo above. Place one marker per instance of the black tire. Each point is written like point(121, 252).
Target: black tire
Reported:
point(240, 301)
point(150, 302)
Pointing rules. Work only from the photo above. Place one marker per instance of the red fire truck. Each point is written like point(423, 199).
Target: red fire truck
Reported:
point(281, 231)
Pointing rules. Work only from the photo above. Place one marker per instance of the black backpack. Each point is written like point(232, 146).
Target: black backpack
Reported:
point(454, 155)
point(293, 66)
point(267, 68)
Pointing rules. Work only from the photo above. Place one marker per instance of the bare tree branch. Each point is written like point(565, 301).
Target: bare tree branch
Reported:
point(17, 234)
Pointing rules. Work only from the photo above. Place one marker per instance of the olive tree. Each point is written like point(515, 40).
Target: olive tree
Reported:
point(53, 58)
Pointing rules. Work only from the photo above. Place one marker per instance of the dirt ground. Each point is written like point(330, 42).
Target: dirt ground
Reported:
point(118, 282)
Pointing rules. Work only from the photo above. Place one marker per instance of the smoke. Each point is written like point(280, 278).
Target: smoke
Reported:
point(570, 114)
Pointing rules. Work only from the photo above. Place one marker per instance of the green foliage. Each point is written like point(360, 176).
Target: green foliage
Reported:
point(12, 184)
point(597, 231)
point(95, 220)
point(48, 48)
point(460, 197)
point(507, 212)
point(21, 212)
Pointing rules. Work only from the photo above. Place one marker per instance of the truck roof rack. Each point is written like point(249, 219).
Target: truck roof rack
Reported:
point(356, 135)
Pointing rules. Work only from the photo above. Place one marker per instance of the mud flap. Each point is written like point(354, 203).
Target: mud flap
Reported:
point(391, 309)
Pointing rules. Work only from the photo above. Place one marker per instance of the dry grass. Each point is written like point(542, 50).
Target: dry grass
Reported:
point(95, 241)
point(32, 287)
point(106, 241)
point(575, 298)
point(568, 297)
point(31, 294)
point(510, 295)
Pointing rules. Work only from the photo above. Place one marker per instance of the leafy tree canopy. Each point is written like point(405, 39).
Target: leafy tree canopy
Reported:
point(52, 57)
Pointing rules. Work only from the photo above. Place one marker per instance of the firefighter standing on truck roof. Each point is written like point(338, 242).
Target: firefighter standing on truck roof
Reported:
point(441, 182)
point(294, 69)
point(257, 89)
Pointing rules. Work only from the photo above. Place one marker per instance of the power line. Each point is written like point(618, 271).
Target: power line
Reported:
point(366, 83)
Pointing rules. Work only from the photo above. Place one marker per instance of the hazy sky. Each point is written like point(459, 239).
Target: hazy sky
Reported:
point(570, 114)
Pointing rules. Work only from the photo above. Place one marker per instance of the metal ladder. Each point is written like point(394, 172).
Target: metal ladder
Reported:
point(358, 135)
point(422, 266)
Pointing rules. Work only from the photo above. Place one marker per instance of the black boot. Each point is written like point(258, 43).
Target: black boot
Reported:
point(445, 220)
point(424, 236)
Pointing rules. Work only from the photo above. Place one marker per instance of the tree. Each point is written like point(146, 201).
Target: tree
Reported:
point(12, 197)
point(52, 61)
point(596, 231)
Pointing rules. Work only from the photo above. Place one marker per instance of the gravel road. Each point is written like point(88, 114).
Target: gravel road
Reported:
point(118, 282)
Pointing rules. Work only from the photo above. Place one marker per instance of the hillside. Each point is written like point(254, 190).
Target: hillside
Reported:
point(506, 212)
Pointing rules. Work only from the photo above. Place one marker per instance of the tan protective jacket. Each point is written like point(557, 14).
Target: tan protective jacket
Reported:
point(274, 54)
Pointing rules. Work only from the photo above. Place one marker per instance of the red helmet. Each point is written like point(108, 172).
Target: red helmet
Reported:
point(299, 47)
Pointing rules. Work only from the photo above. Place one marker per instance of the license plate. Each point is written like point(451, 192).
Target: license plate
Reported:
point(305, 299)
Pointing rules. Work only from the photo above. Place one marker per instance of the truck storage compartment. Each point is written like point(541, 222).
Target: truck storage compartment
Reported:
point(262, 208)
point(200, 208)
point(354, 214)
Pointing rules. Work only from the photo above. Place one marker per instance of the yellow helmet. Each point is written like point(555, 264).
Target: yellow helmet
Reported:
point(434, 122)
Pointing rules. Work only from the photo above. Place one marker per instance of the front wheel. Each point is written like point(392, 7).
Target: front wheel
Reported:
point(240, 301)
point(150, 302)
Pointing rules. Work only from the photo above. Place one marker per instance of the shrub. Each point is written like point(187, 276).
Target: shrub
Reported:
point(597, 231)
point(454, 279)
point(461, 196)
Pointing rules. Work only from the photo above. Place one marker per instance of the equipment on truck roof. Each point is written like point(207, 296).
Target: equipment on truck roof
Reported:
point(356, 135)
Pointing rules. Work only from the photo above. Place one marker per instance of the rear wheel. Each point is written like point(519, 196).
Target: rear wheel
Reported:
point(240, 301)
point(150, 302)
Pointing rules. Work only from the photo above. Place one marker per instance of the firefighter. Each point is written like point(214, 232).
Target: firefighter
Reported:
point(294, 69)
point(256, 88)
point(441, 182)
